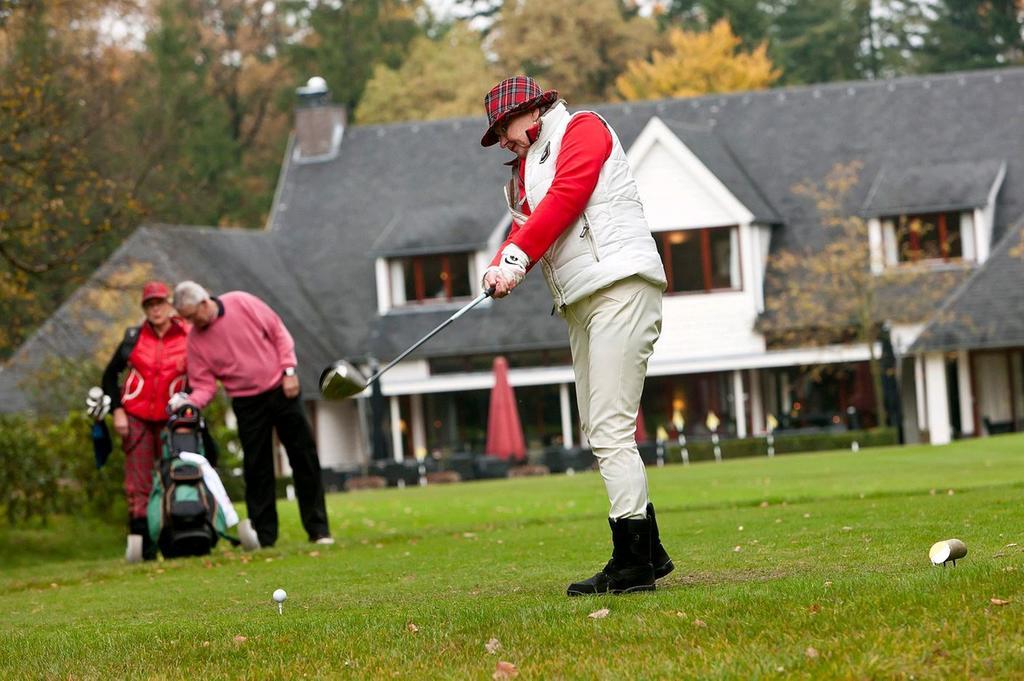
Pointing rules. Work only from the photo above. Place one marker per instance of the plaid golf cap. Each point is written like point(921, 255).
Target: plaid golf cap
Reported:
point(510, 96)
point(155, 289)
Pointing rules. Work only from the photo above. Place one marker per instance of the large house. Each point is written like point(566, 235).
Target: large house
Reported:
point(378, 233)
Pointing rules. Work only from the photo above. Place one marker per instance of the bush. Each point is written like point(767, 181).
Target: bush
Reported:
point(703, 450)
point(47, 467)
point(281, 483)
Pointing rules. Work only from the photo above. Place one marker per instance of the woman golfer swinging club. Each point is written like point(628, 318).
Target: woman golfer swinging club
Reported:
point(575, 208)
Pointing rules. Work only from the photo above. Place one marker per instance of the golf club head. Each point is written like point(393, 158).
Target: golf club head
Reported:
point(341, 380)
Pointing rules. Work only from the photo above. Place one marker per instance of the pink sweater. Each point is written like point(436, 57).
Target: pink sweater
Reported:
point(247, 348)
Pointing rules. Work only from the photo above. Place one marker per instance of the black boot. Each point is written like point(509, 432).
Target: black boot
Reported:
point(659, 556)
point(630, 568)
point(141, 526)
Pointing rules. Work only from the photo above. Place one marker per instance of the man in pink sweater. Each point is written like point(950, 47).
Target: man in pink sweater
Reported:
point(237, 339)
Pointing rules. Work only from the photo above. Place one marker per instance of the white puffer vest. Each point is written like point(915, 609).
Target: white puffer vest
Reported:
point(611, 239)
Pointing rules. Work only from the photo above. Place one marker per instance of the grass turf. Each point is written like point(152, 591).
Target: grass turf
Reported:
point(801, 566)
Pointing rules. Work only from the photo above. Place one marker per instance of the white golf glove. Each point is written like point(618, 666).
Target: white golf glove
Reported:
point(97, 404)
point(512, 265)
point(177, 401)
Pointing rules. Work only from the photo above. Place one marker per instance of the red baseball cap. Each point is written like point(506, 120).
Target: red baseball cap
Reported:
point(155, 289)
point(509, 97)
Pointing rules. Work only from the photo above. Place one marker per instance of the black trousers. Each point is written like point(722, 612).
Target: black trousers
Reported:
point(258, 417)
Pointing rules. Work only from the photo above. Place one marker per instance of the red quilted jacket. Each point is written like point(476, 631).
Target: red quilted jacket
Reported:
point(156, 371)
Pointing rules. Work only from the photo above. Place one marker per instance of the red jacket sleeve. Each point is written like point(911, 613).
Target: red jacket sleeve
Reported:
point(585, 147)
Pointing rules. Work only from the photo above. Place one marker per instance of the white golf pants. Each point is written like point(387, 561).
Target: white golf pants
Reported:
point(612, 335)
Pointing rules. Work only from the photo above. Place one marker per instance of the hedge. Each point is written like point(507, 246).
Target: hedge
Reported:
point(703, 450)
point(47, 467)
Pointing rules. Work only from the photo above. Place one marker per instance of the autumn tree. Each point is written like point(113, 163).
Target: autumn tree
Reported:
point(816, 41)
point(750, 20)
point(478, 11)
point(829, 294)
point(698, 63)
point(440, 78)
point(347, 39)
point(972, 34)
point(212, 103)
point(895, 29)
point(579, 53)
point(64, 201)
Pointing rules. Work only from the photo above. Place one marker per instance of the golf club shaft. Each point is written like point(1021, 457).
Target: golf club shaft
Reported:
point(469, 306)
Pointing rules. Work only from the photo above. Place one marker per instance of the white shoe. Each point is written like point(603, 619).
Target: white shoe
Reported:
point(325, 541)
point(247, 535)
point(133, 551)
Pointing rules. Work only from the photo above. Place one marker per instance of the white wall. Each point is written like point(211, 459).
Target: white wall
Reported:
point(984, 218)
point(909, 400)
point(339, 436)
point(966, 392)
point(382, 275)
point(761, 239)
point(1017, 369)
point(992, 377)
point(920, 390)
point(939, 430)
point(876, 244)
point(968, 237)
point(903, 336)
point(674, 195)
point(677, 189)
point(707, 325)
point(679, 192)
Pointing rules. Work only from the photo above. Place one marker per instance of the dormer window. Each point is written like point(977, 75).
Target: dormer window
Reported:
point(703, 260)
point(933, 213)
point(928, 236)
point(923, 239)
point(433, 278)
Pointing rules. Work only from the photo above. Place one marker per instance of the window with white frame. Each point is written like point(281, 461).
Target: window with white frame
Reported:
point(433, 278)
point(703, 260)
point(923, 238)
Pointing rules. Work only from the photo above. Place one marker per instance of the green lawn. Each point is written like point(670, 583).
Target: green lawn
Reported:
point(801, 566)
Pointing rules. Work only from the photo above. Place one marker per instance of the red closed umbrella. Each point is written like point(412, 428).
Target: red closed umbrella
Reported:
point(504, 431)
point(641, 427)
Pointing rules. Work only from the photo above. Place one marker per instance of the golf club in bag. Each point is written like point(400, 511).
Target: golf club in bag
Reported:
point(341, 379)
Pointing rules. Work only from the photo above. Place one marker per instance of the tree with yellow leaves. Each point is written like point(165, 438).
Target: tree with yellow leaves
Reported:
point(577, 48)
point(698, 63)
point(439, 79)
point(63, 198)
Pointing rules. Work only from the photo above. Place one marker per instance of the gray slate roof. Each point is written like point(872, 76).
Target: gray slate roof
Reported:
point(429, 187)
point(986, 311)
point(714, 152)
point(932, 188)
point(219, 259)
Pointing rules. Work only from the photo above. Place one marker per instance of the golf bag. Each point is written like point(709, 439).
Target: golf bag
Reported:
point(184, 516)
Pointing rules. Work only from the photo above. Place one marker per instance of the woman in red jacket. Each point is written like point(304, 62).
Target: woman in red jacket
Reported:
point(154, 356)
